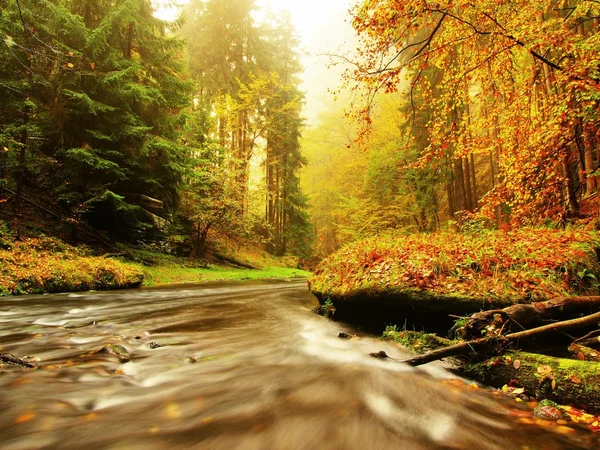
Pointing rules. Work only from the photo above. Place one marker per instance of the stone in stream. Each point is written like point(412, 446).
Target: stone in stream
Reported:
point(191, 360)
point(547, 409)
point(343, 335)
point(380, 354)
point(116, 350)
point(10, 361)
point(154, 345)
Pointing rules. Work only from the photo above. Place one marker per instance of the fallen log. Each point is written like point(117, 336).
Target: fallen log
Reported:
point(474, 346)
point(235, 262)
point(583, 353)
point(526, 316)
point(591, 340)
point(565, 381)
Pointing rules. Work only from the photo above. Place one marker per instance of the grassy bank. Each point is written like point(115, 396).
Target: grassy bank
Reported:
point(35, 266)
point(41, 265)
point(175, 274)
point(484, 268)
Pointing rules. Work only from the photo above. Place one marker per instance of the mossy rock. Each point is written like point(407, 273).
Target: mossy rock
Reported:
point(457, 273)
point(416, 341)
point(116, 350)
point(565, 381)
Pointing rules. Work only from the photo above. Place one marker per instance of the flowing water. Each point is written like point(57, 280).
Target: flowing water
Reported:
point(240, 366)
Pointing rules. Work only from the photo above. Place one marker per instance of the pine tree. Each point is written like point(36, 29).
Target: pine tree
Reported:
point(106, 80)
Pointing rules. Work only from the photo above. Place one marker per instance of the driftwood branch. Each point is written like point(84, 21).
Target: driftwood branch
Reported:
point(476, 345)
point(529, 316)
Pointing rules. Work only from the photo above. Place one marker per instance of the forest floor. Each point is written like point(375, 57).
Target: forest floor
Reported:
point(159, 269)
point(37, 258)
point(458, 273)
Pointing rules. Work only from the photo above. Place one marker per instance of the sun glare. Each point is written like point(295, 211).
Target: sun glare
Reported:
point(308, 15)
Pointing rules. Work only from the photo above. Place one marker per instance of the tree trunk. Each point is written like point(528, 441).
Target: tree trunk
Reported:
point(589, 164)
point(130, 35)
point(474, 182)
point(21, 167)
point(468, 188)
point(461, 203)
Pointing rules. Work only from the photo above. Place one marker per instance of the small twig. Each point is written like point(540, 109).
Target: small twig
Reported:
point(587, 336)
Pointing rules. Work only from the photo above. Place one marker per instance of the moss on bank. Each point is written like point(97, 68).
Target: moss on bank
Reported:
point(46, 265)
point(175, 274)
point(40, 265)
point(461, 272)
point(565, 381)
point(416, 341)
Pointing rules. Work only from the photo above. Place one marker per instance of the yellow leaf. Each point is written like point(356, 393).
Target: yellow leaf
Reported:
point(5, 149)
point(70, 65)
point(544, 369)
point(519, 400)
point(70, 53)
point(553, 384)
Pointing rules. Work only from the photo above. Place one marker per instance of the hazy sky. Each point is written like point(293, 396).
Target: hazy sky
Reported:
point(324, 28)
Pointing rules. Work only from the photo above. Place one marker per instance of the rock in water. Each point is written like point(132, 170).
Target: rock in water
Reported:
point(548, 410)
point(8, 360)
point(118, 351)
point(343, 335)
point(154, 345)
point(381, 355)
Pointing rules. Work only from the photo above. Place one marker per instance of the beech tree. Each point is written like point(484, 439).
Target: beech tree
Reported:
point(518, 88)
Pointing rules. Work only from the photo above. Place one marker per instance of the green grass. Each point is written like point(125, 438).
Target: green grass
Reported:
point(176, 274)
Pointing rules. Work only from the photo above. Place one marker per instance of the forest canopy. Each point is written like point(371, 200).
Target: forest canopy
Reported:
point(146, 129)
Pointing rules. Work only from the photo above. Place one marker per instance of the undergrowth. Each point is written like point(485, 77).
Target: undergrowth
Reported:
point(38, 265)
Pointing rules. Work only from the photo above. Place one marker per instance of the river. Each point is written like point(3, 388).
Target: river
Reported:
point(240, 366)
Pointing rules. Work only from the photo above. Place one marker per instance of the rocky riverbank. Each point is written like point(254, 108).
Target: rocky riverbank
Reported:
point(435, 282)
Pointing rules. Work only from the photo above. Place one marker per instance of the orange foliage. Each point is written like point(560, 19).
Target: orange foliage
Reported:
point(519, 82)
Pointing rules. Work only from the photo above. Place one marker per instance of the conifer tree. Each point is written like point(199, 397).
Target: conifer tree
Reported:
point(105, 77)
